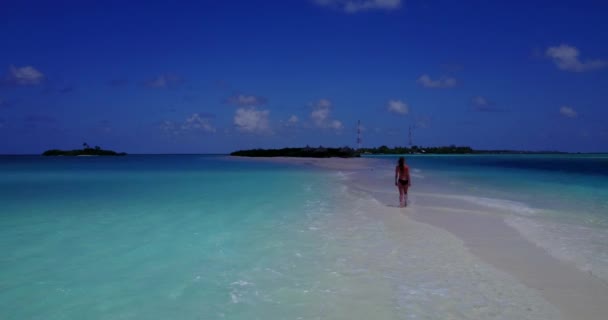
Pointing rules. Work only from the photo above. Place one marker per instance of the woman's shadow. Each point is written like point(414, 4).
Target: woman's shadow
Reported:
point(395, 206)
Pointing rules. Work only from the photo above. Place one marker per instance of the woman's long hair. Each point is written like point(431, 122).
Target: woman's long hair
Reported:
point(401, 163)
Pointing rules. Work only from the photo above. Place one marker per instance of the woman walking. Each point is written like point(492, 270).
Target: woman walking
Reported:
point(402, 181)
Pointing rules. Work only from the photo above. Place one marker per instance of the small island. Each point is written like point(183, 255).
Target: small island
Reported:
point(85, 151)
point(306, 152)
point(347, 152)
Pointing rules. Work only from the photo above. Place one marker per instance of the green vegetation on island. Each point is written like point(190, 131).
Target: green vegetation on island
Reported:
point(346, 152)
point(416, 149)
point(306, 152)
point(86, 151)
point(452, 149)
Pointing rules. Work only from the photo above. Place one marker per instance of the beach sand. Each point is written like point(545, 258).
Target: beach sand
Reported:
point(482, 230)
point(577, 294)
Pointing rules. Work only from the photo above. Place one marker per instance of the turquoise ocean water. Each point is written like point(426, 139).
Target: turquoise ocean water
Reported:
point(148, 236)
point(210, 237)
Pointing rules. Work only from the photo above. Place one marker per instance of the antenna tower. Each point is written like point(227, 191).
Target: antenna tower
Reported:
point(359, 141)
point(410, 137)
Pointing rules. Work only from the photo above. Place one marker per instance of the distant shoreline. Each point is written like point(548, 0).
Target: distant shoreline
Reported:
point(347, 152)
point(86, 152)
point(388, 154)
point(306, 152)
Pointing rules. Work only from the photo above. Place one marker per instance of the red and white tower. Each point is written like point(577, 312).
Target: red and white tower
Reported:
point(359, 141)
point(410, 137)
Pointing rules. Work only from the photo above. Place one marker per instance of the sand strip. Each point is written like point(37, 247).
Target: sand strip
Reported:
point(577, 294)
point(323, 163)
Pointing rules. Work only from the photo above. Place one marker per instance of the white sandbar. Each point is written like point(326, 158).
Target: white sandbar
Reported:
point(484, 233)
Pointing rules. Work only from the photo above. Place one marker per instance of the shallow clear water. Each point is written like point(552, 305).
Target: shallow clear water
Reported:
point(210, 237)
point(148, 236)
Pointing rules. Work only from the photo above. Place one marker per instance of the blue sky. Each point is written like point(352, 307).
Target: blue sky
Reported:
point(216, 76)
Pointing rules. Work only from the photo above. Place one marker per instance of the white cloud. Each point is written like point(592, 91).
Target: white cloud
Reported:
point(291, 122)
point(482, 104)
point(197, 123)
point(194, 123)
point(104, 126)
point(168, 127)
point(584, 133)
point(323, 103)
point(568, 112)
point(24, 76)
point(163, 81)
point(353, 6)
point(320, 112)
point(39, 118)
point(242, 100)
point(398, 106)
point(321, 115)
point(423, 122)
point(480, 101)
point(252, 120)
point(293, 119)
point(566, 58)
point(336, 124)
point(443, 82)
